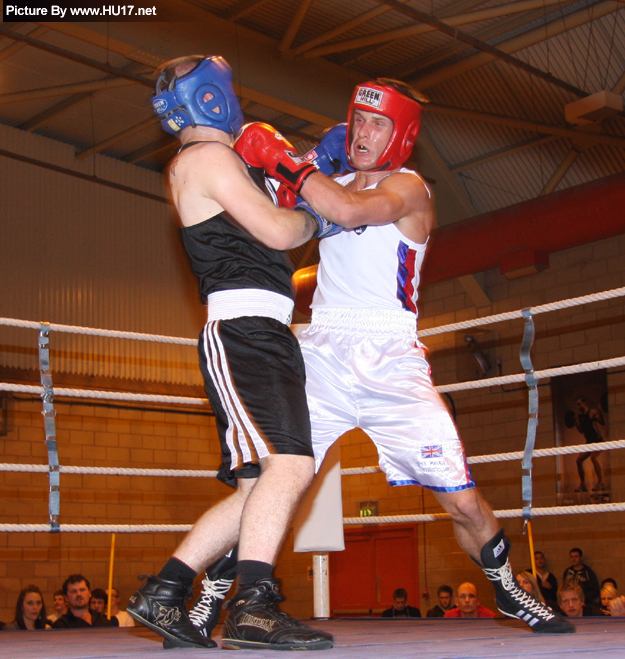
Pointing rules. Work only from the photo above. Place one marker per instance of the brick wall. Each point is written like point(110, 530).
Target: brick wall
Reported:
point(490, 420)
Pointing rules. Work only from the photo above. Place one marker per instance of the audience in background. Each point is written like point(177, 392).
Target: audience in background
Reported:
point(528, 582)
point(610, 581)
point(77, 590)
point(59, 604)
point(445, 595)
point(468, 604)
point(608, 594)
point(547, 581)
point(123, 617)
point(30, 611)
point(99, 600)
point(583, 575)
point(400, 608)
point(571, 600)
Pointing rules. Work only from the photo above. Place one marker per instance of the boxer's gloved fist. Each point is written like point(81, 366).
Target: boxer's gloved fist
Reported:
point(325, 228)
point(260, 145)
point(286, 197)
point(329, 156)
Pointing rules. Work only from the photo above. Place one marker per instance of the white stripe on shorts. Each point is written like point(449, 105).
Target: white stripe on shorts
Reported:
point(234, 407)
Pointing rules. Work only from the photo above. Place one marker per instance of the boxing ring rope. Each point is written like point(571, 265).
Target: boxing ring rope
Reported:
point(47, 391)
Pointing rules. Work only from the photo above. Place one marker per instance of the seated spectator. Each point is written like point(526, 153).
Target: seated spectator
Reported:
point(445, 594)
point(583, 575)
point(617, 607)
point(468, 604)
point(77, 591)
point(400, 608)
point(528, 582)
point(547, 581)
point(123, 617)
point(608, 594)
point(571, 601)
point(59, 604)
point(30, 611)
point(610, 581)
point(99, 600)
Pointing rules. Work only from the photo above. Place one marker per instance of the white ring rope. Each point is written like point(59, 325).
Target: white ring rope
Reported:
point(111, 334)
point(473, 384)
point(388, 519)
point(476, 322)
point(501, 514)
point(352, 471)
point(510, 315)
point(153, 398)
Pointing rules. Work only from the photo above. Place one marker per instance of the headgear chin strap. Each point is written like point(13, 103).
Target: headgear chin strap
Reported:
point(383, 97)
point(202, 97)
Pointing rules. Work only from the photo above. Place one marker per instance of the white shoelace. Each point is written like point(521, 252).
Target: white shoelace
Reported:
point(211, 591)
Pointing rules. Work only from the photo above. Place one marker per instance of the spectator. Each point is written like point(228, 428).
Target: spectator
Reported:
point(528, 582)
point(30, 610)
point(77, 591)
point(123, 617)
point(99, 600)
point(610, 581)
point(547, 581)
point(572, 602)
point(583, 575)
point(445, 594)
point(59, 604)
point(400, 608)
point(468, 604)
point(617, 606)
point(608, 594)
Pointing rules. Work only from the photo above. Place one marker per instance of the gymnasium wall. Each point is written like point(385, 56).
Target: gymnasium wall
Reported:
point(110, 263)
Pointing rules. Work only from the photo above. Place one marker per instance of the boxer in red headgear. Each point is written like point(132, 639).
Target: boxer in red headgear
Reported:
point(365, 366)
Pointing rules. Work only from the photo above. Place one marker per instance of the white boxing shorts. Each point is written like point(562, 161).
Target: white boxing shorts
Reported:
point(366, 369)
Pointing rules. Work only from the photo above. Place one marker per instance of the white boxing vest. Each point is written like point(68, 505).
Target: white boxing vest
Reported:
point(376, 269)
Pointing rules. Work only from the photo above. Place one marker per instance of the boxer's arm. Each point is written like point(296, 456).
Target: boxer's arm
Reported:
point(401, 197)
point(209, 178)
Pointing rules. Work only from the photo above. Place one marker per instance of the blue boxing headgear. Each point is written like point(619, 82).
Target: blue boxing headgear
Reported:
point(182, 102)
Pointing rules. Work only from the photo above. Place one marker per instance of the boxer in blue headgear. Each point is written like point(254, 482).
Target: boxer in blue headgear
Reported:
point(202, 97)
point(252, 366)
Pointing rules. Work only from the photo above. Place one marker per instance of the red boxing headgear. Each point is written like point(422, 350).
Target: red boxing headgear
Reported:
point(397, 101)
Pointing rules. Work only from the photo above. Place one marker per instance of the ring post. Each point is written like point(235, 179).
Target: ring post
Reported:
point(111, 564)
point(321, 587)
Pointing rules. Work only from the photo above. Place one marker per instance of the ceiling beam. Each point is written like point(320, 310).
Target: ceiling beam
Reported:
point(39, 119)
point(152, 149)
point(74, 57)
point(530, 38)
point(524, 124)
point(63, 90)
point(426, 60)
point(114, 139)
point(242, 8)
point(423, 28)
point(494, 53)
point(500, 153)
point(374, 12)
point(17, 46)
point(294, 26)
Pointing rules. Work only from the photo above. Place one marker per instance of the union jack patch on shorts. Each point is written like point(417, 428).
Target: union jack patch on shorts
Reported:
point(432, 451)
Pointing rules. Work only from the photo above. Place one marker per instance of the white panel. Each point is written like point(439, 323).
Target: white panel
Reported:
point(79, 253)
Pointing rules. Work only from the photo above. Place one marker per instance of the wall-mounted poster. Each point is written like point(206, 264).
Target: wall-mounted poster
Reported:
point(580, 413)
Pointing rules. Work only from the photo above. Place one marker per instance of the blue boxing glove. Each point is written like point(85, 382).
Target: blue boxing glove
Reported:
point(325, 228)
point(329, 156)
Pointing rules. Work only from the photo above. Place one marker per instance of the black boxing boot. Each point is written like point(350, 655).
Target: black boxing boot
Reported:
point(160, 605)
point(254, 621)
point(205, 613)
point(510, 598)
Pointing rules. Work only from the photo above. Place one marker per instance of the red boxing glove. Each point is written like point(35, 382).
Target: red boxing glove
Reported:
point(286, 197)
point(260, 145)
